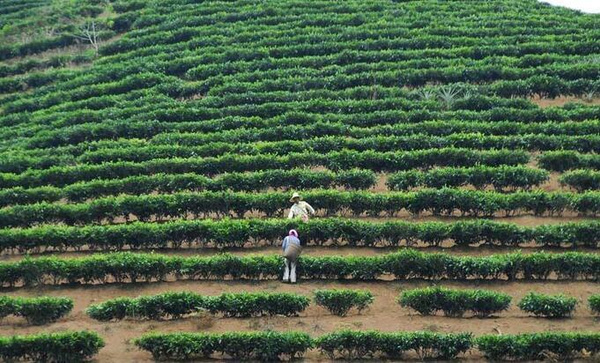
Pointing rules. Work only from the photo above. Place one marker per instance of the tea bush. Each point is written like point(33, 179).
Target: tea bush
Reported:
point(228, 233)
point(549, 306)
point(406, 264)
point(175, 304)
point(53, 347)
point(594, 302)
point(262, 346)
point(339, 302)
point(428, 301)
point(368, 344)
point(529, 346)
point(37, 311)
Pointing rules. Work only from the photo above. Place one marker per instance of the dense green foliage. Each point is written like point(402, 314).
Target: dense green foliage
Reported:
point(53, 347)
point(567, 160)
point(407, 264)
point(37, 311)
point(454, 303)
point(366, 344)
point(171, 183)
point(479, 177)
point(550, 306)
point(187, 117)
point(581, 180)
point(228, 233)
point(564, 345)
point(175, 304)
point(339, 302)
point(594, 302)
point(435, 201)
point(261, 346)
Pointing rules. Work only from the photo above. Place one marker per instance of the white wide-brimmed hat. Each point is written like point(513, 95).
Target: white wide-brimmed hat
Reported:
point(294, 196)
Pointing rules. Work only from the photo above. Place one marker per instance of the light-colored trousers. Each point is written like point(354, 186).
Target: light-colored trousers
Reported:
point(290, 270)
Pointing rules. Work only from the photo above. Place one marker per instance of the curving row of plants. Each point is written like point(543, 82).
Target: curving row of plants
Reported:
point(347, 344)
point(326, 144)
point(480, 177)
point(181, 205)
point(300, 179)
point(248, 233)
point(336, 161)
point(85, 126)
point(407, 264)
point(140, 124)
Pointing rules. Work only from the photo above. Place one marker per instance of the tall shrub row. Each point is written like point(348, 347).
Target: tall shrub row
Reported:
point(176, 304)
point(435, 201)
point(407, 264)
point(236, 233)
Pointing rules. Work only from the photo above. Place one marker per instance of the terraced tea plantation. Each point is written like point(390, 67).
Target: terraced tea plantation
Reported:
point(149, 150)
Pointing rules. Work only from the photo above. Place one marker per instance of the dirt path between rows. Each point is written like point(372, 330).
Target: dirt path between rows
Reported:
point(385, 314)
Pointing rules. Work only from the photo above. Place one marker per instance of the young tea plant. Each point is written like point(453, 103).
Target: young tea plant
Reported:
point(548, 306)
point(339, 302)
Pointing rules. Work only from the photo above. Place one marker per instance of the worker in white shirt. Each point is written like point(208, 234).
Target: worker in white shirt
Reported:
point(292, 248)
point(300, 209)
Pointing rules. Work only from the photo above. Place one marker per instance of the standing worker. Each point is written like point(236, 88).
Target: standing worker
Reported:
point(291, 251)
point(300, 208)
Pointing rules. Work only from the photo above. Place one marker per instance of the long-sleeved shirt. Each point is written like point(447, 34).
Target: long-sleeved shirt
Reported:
point(300, 209)
point(288, 240)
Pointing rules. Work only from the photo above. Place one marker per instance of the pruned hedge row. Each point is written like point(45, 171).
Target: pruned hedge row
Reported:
point(176, 304)
point(142, 150)
point(236, 233)
point(336, 161)
point(269, 346)
point(52, 347)
point(550, 306)
point(567, 160)
point(407, 264)
point(448, 126)
point(435, 201)
point(581, 180)
point(171, 183)
point(261, 346)
point(37, 311)
point(502, 177)
point(349, 344)
point(455, 303)
point(539, 346)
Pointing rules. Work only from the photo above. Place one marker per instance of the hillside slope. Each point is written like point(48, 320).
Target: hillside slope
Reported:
point(182, 127)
